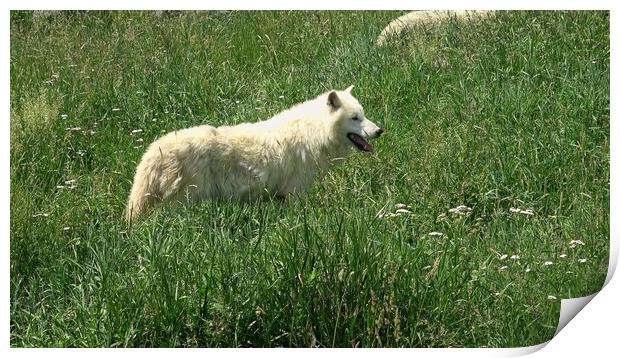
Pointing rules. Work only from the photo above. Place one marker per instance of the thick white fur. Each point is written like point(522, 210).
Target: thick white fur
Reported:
point(280, 156)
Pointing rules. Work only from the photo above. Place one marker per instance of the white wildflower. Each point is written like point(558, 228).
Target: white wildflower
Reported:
point(403, 211)
point(522, 211)
point(73, 129)
point(503, 257)
point(550, 297)
point(64, 116)
point(548, 263)
point(515, 257)
point(582, 260)
point(40, 214)
point(577, 242)
point(563, 256)
point(528, 270)
point(426, 267)
point(341, 274)
point(66, 228)
point(136, 131)
point(115, 109)
point(460, 210)
point(435, 233)
point(503, 268)
point(402, 206)
point(280, 97)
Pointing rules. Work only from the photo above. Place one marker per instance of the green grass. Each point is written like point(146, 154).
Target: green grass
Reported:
point(509, 112)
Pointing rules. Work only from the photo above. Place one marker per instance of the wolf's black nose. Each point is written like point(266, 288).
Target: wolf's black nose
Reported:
point(379, 132)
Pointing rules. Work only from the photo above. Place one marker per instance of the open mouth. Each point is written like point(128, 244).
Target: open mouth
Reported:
point(360, 142)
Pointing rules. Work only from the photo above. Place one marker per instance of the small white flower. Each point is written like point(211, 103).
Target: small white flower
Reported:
point(115, 109)
point(136, 131)
point(402, 206)
point(280, 97)
point(73, 129)
point(41, 214)
point(496, 293)
point(435, 233)
point(503, 257)
point(521, 211)
point(577, 242)
point(69, 182)
point(582, 260)
point(552, 297)
point(528, 270)
point(154, 120)
point(548, 263)
point(237, 102)
point(515, 257)
point(66, 228)
point(64, 116)
point(563, 256)
point(403, 211)
point(460, 210)
point(426, 267)
point(503, 268)
point(60, 186)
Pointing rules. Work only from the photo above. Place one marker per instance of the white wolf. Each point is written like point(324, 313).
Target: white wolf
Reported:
point(280, 156)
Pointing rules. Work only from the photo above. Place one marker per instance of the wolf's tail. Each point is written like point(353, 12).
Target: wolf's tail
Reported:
point(144, 192)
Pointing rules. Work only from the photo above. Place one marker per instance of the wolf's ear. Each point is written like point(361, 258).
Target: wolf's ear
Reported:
point(348, 90)
point(333, 101)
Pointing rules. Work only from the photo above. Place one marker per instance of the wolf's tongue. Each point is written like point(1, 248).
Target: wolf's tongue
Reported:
point(360, 142)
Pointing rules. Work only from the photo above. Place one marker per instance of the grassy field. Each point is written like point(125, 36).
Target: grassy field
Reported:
point(504, 116)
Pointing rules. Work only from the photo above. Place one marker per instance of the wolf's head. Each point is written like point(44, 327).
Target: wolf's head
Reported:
point(351, 123)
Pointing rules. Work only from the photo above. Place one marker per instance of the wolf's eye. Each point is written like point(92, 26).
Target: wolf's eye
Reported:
point(356, 118)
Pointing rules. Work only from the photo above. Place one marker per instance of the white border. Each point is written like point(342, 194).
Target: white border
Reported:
point(592, 330)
